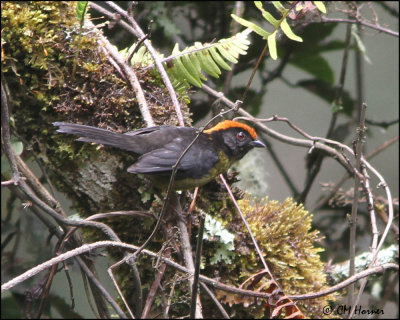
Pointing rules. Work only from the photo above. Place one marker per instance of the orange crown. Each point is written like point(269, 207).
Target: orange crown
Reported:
point(232, 124)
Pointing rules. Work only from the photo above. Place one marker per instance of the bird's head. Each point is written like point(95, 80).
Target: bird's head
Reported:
point(235, 138)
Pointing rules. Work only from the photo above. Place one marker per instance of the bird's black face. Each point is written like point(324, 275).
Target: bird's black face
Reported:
point(238, 142)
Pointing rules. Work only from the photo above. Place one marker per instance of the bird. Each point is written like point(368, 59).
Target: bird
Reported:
point(159, 148)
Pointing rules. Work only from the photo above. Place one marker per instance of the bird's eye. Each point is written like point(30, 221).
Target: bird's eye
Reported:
point(241, 136)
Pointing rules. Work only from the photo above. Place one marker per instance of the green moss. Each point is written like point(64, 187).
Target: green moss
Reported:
point(283, 232)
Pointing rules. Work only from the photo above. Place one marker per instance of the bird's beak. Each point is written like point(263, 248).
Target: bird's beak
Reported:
point(257, 144)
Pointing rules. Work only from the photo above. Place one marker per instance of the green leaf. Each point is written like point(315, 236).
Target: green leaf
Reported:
point(360, 43)
point(17, 146)
point(288, 31)
point(81, 8)
point(272, 46)
point(208, 64)
point(335, 108)
point(242, 39)
point(197, 65)
point(176, 77)
point(182, 72)
point(279, 7)
point(227, 55)
point(314, 34)
point(320, 5)
point(315, 65)
point(141, 57)
point(189, 66)
point(218, 59)
point(235, 50)
point(260, 31)
point(331, 46)
point(267, 16)
point(145, 196)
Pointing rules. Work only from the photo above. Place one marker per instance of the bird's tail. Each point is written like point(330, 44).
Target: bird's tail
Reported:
point(97, 135)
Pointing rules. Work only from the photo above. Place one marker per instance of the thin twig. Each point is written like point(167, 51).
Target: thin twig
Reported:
point(115, 282)
point(195, 285)
point(170, 297)
point(129, 72)
point(354, 209)
point(360, 83)
point(347, 282)
point(382, 147)
point(314, 166)
point(370, 201)
point(6, 142)
point(122, 23)
point(100, 244)
point(221, 309)
point(107, 296)
point(260, 254)
point(39, 163)
point(140, 34)
point(135, 271)
point(239, 10)
point(188, 259)
point(364, 23)
point(346, 176)
point(89, 298)
point(383, 124)
point(385, 232)
point(160, 271)
point(5, 134)
point(139, 43)
point(276, 27)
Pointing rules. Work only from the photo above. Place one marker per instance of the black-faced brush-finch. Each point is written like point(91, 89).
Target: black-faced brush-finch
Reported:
point(160, 147)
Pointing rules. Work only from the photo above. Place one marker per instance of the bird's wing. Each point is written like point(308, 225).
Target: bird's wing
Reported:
point(160, 161)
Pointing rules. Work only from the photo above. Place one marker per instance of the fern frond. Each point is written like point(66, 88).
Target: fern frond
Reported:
point(276, 23)
point(189, 65)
